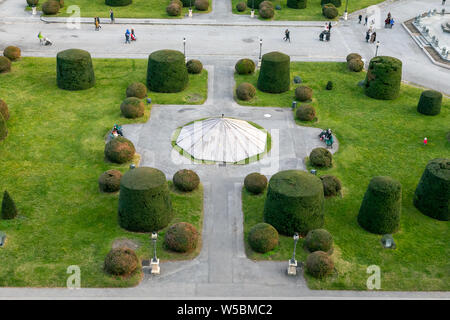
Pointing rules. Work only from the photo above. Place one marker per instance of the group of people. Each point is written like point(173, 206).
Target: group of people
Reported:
point(130, 36)
point(326, 33)
point(116, 131)
point(371, 35)
point(327, 137)
point(389, 22)
point(97, 23)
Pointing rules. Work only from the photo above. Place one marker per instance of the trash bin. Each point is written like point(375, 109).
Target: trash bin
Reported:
point(294, 105)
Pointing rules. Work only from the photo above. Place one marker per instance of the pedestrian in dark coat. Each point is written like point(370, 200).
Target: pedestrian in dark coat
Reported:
point(288, 36)
point(111, 15)
point(360, 18)
point(373, 38)
point(367, 36)
point(329, 26)
point(365, 20)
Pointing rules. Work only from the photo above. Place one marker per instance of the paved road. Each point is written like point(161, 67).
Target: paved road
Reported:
point(221, 269)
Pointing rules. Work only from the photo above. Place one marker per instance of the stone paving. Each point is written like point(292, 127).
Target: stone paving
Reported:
point(222, 269)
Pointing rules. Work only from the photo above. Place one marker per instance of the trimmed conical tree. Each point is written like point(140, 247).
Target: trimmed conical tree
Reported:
point(9, 210)
point(381, 206)
point(433, 191)
point(294, 202)
point(384, 77)
point(144, 200)
point(74, 70)
point(430, 102)
point(274, 76)
point(166, 71)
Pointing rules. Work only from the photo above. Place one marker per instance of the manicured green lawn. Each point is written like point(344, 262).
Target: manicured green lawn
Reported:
point(155, 9)
point(376, 138)
point(312, 12)
point(50, 164)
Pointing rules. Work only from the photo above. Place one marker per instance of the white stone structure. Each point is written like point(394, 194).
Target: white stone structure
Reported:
point(222, 140)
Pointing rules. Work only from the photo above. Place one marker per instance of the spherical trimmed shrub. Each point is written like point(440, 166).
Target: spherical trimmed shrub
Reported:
point(266, 12)
point(331, 185)
point(266, 3)
point(241, 7)
point(245, 91)
point(4, 110)
point(381, 206)
point(5, 65)
point(32, 2)
point(321, 157)
point(173, 9)
point(355, 65)
point(121, 261)
point(12, 53)
point(132, 108)
point(263, 237)
point(186, 180)
point(245, 66)
point(181, 237)
point(433, 191)
point(430, 102)
point(303, 93)
point(336, 3)
point(318, 240)
point(294, 202)
point(306, 113)
point(329, 85)
point(255, 182)
point(109, 181)
point(330, 11)
point(256, 3)
point(201, 5)
point(167, 71)
point(274, 76)
point(119, 150)
point(118, 3)
point(352, 56)
point(319, 264)
point(74, 70)
point(3, 128)
point(297, 4)
point(137, 89)
point(194, 66)
point(51, 7)
point(383, 78)
point(144, 200)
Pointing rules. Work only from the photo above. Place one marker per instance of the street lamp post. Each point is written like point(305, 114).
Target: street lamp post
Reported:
point(260, 52)
point(184, 49)
point(154, 264)
point(346, 10)
point(292, 268)
point(376, 50)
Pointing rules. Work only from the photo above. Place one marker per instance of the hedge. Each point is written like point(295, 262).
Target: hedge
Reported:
point(433, 191)
point(430, 102)
point(194, 66)
point(255, 183)
point(245, 66)
point(266, 12)
point(109, 181)
point(331, 185)
point(330, 11)
point(186, 180)
point(241, 6)
point(297, 4)
point(144, 200)
point(137, 89)
point(132, 108)
point(5, 65)
point(274, 76)
point(12, 53)
point(303, 93)
point(355, 65)
point(9, 210)
point(305, 113)
point(74, 70)
point(119, 150)
point(173, 9)
point(352, 56)
point(51, 7)
point(319, 264)
point(32, 2)
point(121, 262)
point(263, 237)
point(336, 3)
point(4, 110)
point(321, 157)
point(381, 206)
point(181, 237)
point(167, 71)
point(318, 240)
point(201, 5)
point(294, 202)
point(118, 3)
point(245, 91)
point(383, 78)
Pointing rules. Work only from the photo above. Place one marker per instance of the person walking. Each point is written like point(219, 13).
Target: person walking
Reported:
point(97, 24)
point(360, 18)
point(285, 34)
point(391, 22)
point(367, 35)
point(326, 26)
point(365, 20)
point(133, 36)
point(373, 37)
point(329, 26)
point(288, 35)
point(127, 36)
point(111, 15)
